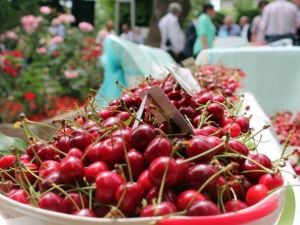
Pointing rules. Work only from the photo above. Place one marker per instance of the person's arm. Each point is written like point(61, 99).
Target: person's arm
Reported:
point(204, 42)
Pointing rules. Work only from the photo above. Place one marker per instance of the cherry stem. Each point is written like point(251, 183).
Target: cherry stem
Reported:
point(262, 129)
point(66, 194)
point(285, 146)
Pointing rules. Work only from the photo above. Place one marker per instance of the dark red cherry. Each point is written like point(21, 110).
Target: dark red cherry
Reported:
point(46, 183)
point(188, 197)
point(71, 170)
point(216, 110)
point(51, 201)
point(159, 146)
point(244, 123)
point(63, 143)
point(94, 169)
point(112, 150)
point(198, 174)
point(161, 209)
point(48, 167)
point(74, 202)
point(136, 161)
point(142, 135)
point(168, 195)
point(113, 121)
point(80, 139)
point(235, 205)
point(144, 181)
point(125, 134)
point(203, 208)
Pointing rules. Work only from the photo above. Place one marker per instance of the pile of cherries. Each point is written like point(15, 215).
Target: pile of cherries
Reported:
point(99, 165)
point(287, 126)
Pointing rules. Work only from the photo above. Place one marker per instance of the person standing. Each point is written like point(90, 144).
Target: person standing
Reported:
point(244, 23)
point(191, 35)
point(206, 30)
point(257, 34)
point(172, 39)
point(297, 3)
point(279, 20)
point(103, 33)
point(229, 28)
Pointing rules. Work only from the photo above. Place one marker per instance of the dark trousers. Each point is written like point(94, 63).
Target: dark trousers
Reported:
point(272, 38)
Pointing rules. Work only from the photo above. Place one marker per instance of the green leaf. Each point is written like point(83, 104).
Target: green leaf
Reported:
point(8, 143)
point(288, 214)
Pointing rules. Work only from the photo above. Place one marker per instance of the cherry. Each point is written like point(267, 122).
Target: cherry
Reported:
point(107, 184)
point(71, 169)
point(256, 193)
point(19, 196)
point(25, 174)
point(185, 198)
point(113, 121)
point(80, 139)
point(74, 201)
point(198, 174)
point(218, 98)
point(174, 95)
point(94, 169)
point(249, 165)
point(51, 201)
point(168, 195)
point(211, 130)
point(142, 135)
point(112, 150)
point(243, 122)
point(204, 98)
point(130, 195)
point(160, 209)
point(182, 169)
point(24, 158)
point(47, 152)
point(136, 161)
point(85, 213)
point(238, 147)
point(124, 116)
point(271, 181)
point(6, 186)
point(144, 181)
point(48, 167)
point(233, 129)
point(105, 113)
point(157, 168)
point(159, 146)
point(188, 111)
point(92, 152)
point(77, 153)
point(7, 161)
point(216, 110)
point(52, 178)
point(203, 208)
point(235, 205)
point(125, 134)
point(101, 211)
point(63, 143)
point(33, 148)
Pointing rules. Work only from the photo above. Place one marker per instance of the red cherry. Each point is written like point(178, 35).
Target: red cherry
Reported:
point(107, 184)
point(204, 98)
point(199, 173)
point(105, 113)
point(71, 169)
point(161, 209)
point(131, 194)
point(235, 205)
point(77, 153)
point(46, 183)
point(85, 213)
point(256, 193)
point(216, 110)
point(101, 211)
point(237, 147)
point(142, 135)
point(157, 168)
point(24, 158)
point(26, 175)
point(188, 111)
point(168, 195)
point(124, 116)
point(144, 181)
point(112, 150)
point(136, 161)
point(47, 152)
point(233, 129)
point(74, 201)
point(18, 195)
point(203, 208)
point(51, 201)
point(159, 146)
point(186, 197)
point(125, 134)
point(92, 152)
point(94, 169)
point(48, 167)
point(6, 186)
point(63, 143)
point(33, 148)
point(80, 139)
point(249, 166)
point(211, 130)
point(271, 181)
point(174, 95)
point(7, 161)
point(218, 98)
point(182, 169)
point(243, 122)
point(113, 121)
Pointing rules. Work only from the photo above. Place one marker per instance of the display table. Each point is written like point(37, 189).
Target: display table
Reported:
point(268, 146)
point(273, 74)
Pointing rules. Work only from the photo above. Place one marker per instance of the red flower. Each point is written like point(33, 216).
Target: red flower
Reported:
point(29, 95)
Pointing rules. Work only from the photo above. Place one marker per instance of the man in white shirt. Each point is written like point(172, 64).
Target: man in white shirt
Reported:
point(172, 39)
point(279, 20)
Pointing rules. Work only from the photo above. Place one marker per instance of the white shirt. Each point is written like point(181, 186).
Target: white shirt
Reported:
point(257, 30)
point(245, 29)
point(170, 30)
point(279, 18)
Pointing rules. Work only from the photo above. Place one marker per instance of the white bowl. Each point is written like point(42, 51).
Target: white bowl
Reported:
point(266, 212)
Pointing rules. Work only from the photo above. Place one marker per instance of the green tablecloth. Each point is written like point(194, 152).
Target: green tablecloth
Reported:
point(273, 74)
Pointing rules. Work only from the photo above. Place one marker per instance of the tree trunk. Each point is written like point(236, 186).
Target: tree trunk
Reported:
point(159, 10)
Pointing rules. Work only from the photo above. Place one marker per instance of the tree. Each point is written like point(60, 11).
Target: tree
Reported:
point(159, 9)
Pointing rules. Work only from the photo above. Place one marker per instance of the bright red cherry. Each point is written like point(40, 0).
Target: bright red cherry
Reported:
point(235, 146)
point(63, 143)
point(125, 134)
point(47, 152)
point(74, 202)
point(51, 201)
point(94, 169)
point(271, 181)
point(71, 169)
point(157, 168)
point(113, 121)
point(243, 122)
point(136, 161)
point(235, 205)
point(18, 195)
point(185, 198)
point(199, 173)
point(142, 135)
point(26, 175)
point(80, 139)
point(107, 184)
point(48, 167)
point(112, 150)
point(161, 209)
point(130, 194)
point(203, 208)
point(123, 116)
point(256, 193)
point(159, 146)
point(144, 181)
point(105, 113)
point(233, 129)
point(7, 161)
point(216, 110)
